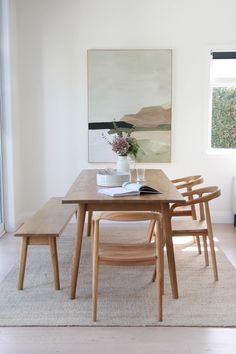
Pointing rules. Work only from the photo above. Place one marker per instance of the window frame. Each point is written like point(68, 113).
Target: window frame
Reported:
point(220, 82)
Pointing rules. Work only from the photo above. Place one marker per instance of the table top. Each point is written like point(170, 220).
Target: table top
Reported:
point(85, 190)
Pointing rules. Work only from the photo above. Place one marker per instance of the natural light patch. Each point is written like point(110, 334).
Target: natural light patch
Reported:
point(194, 248)
point(182, 240)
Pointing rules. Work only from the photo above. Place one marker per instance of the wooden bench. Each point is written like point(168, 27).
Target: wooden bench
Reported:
point(42, 229)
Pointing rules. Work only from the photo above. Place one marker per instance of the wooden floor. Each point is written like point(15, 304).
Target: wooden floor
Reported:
point(145, 340)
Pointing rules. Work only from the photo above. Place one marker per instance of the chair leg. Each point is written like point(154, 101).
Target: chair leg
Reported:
point(162, 255)
point(205, 251)
point(158, 231)
point(54, 257)
point(154, 274)
point(92, 227)
point(213, 257)
point(95, 270)
point(23, 256)
point(152, 230)
point(211, 242)
point(197, 238)
point(159, 270)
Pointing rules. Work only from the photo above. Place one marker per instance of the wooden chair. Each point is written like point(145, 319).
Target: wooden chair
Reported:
point(202, 225)
point(120, 254)
point(184, 184)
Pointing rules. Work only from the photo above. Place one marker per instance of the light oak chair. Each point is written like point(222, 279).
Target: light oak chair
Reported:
point(201, 226)
point(184, 184)
point(132, 254)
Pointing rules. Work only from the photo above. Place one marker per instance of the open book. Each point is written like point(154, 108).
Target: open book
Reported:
point(128, 188)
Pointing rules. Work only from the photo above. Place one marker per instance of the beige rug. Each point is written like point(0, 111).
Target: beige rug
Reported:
point(126, 295)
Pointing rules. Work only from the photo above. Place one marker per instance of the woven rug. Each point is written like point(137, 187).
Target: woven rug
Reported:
point(126, 295)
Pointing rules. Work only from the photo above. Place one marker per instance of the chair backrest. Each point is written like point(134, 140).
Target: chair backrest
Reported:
point(188, 182)
point(200, 197)
point(126, 216)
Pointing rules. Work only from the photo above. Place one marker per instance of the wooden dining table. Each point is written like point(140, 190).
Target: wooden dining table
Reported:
point(84, 193)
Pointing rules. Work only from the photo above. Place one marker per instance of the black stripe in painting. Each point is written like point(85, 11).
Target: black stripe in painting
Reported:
point(108, 125)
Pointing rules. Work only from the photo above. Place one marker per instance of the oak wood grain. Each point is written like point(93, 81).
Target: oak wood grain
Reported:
point(50, 220)
point(85, 190)
point(42, 229)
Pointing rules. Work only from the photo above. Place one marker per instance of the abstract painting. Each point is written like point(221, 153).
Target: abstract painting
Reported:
point(132, 88)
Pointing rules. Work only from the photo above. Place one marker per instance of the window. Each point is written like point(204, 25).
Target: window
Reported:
point(223, 117)
point(1, 105)
point(1, 186)
point(223, 102)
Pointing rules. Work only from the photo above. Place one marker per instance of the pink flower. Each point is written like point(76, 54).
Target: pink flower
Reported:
point(120, 145)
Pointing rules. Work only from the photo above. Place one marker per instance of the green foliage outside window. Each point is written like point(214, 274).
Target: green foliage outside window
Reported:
point(223, 117)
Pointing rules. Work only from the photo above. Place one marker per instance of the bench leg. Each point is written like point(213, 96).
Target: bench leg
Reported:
point(53, 249)
point(23, 256)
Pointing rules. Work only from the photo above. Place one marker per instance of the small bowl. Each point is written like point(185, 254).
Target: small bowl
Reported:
point(115, 179)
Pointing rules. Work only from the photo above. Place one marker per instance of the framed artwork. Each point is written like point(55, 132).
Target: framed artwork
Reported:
point(132, 88)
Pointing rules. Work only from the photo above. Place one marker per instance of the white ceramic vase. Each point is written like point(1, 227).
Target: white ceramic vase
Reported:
point(122, 164)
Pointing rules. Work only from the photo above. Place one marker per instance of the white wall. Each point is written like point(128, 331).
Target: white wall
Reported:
point(50, 39)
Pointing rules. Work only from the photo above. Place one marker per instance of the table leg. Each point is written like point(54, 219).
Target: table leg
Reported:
point(77, 248)
point(170, 249)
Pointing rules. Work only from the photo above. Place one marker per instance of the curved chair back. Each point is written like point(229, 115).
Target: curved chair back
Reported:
point(204, 195)
point(188, 182)
point(126, 216)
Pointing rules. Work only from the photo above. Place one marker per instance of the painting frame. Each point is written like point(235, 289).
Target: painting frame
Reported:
point(134, 88)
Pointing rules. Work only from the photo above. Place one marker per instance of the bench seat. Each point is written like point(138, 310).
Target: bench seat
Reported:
point(43, 228)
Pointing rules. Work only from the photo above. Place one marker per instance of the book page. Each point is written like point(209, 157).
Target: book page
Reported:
point(132, 186)
point(117, 191)
point(138, 187)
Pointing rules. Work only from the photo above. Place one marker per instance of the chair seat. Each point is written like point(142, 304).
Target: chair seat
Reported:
point(127, 254)
point(188, 227)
